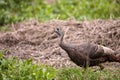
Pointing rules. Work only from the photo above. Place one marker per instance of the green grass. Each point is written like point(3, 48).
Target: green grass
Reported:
point(14, 69)
point(80, 74)
point(12, 11)
point(24, 70)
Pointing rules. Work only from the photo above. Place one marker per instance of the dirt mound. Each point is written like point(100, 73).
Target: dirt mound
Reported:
point(31, 39)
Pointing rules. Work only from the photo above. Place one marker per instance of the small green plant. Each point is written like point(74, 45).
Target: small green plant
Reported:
point(15, 69)
point(1, 54)
point(4, 28)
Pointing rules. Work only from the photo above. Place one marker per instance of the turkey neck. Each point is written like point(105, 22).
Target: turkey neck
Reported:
point(63, 44)
point(61, 39)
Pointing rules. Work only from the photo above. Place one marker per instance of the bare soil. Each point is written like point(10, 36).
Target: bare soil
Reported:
point(32, 39)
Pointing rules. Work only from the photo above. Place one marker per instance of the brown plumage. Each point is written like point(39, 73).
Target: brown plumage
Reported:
point(87, 54)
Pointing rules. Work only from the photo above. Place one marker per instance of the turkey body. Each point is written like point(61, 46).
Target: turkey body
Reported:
point(85, 52)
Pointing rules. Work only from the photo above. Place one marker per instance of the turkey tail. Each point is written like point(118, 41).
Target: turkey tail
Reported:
point(117, 53)
point(113, 58)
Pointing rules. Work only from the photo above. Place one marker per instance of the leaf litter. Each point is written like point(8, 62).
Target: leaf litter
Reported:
point(32, 39)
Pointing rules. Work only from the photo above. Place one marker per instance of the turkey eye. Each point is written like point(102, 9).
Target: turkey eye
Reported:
point(57, 29)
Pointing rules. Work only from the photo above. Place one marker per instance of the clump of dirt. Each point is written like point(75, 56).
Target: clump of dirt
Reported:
point(31, 39)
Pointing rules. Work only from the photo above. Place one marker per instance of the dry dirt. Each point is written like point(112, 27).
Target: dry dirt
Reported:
point(32, 39)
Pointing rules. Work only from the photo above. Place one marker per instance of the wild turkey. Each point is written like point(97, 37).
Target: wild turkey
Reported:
point(87, 54)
